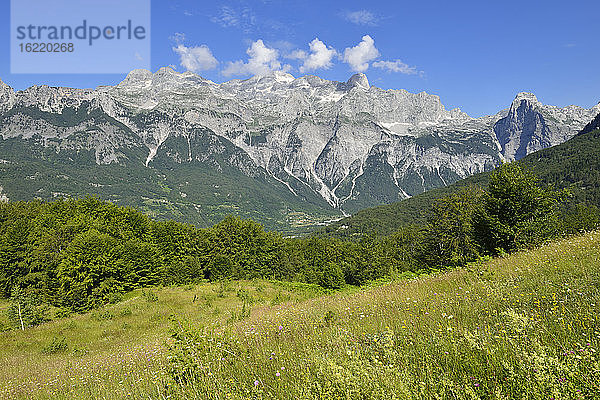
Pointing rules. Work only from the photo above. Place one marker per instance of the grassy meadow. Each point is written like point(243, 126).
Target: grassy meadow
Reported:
point(524, 326)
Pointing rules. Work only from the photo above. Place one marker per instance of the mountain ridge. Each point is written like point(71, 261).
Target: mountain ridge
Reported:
point(573, 165)
point(341, 146)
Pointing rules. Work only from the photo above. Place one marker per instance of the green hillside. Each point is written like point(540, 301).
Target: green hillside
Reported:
point(201, 193)
point(77, 255)
point(574, 164)
point(524, 326)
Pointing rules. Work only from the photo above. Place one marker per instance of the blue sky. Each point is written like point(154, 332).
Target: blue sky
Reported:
point(475, 55)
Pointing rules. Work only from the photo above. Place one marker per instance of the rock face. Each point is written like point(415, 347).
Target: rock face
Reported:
point(530, 126)
point(336, 145)
point(7, 97)
point(592, 126)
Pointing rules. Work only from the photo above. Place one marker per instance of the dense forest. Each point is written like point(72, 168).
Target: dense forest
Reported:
point(75, 255)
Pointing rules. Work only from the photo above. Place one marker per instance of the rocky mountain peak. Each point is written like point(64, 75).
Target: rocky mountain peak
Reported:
point(358, 80)
point(138, 75)
point(168, 76)
point(166, 71)
point(7, 96)
point(283, 77)
point(530, 125)
point(270, 77)
point(524, 96)
point(4, 88)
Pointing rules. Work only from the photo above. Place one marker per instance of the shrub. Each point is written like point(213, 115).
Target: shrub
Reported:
point(331, 276)
point(150, 296)
point(105, 315)
point(329, 318)
point(58, 345)
point(125, 312)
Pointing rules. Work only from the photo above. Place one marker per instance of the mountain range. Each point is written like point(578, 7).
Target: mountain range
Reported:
point(573, 165)
point(285, 151)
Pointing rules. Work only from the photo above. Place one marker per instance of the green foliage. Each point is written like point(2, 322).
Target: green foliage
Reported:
point(58, 345)
point(150, 296)
point(580, 218)
point(516, 211)
point(25, 309)
point(185, 351)
point(82, 254)
point(329, 318)
point(241, 249)
point(449, 238)
point(88, 274)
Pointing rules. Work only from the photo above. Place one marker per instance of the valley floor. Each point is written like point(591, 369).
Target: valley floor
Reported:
point(524, 326)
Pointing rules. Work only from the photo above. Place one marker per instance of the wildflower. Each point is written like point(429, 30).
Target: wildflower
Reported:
point(280, 327)
point(256, 382)
point(277, 374)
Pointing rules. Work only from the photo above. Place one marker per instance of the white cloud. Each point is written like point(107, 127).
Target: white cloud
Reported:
point(297, 55)
point(242, 18)
point(288, 50)
point(228, 17)
point(195, 59)
point(396, 66)
point(359, 56)
point(178, 37)
point(361, 17)
point(261, 60)
point(320, 56)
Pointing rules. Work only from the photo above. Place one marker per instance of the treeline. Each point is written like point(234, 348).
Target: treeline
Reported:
point(80, 254)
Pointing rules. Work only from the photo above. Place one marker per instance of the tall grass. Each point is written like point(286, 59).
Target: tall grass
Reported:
point(119, 351)
point(519, 327)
